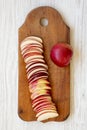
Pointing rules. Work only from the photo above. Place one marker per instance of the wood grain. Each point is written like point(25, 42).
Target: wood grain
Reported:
point(12, 15)
point(55, 31)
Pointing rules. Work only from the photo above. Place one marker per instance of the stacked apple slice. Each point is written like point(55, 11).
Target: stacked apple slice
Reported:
point(37, 74)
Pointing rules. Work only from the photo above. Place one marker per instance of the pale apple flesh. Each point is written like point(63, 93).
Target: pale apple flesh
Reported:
point(37, 75)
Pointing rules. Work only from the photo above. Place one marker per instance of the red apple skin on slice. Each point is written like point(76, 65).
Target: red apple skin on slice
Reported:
point(37, 69)
point(41, 98)
point(42, 105)
point(39, 102)
point(35, 96)
point(45, 111)
point(37, 77)
point(36, 64)
point(31, 54)
point(33, 89)
point(31, 48)
point(45, 107)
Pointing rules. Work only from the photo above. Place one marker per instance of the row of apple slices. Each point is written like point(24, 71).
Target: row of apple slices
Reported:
point(37, 75)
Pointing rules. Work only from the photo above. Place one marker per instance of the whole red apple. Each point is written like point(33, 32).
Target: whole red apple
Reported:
point(61, 54)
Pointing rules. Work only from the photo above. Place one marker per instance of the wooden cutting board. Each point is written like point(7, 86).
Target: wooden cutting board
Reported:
point(55, 31)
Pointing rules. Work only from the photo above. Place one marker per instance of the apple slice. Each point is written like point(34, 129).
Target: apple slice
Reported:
point(45, 111)
point(34, 38)
point(35, 95)
point(46, 107)
point(30, 42)
point(46, 116)
point(41, 98)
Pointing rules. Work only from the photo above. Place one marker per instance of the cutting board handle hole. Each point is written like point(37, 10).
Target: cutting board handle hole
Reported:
point(43, 22)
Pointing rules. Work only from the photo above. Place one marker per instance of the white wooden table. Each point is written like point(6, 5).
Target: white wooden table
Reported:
point(12, 15)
